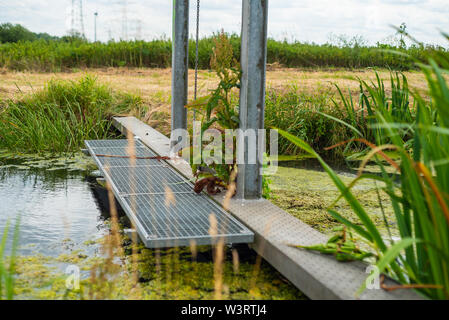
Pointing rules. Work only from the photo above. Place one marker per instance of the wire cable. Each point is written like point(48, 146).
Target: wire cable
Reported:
point(196, 53)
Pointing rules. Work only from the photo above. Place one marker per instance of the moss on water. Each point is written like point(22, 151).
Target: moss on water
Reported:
point(178, 275)
point(306, 194)
point(46, 161)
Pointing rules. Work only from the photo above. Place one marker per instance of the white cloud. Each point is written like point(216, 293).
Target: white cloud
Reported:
point(306, 20)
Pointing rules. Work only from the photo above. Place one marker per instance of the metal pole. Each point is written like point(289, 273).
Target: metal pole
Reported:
point(95, 27)
point(252, 93)
point(180, 64)
point(197, 43)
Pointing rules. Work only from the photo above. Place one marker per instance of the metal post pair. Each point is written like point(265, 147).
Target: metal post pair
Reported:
point(252, 92)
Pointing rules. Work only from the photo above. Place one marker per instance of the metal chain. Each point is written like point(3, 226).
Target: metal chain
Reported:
point(197, 53)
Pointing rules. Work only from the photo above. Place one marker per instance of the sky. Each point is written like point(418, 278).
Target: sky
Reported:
point(316, 21)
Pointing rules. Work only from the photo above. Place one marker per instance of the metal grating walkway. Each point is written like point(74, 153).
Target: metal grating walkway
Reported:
point(161, 202)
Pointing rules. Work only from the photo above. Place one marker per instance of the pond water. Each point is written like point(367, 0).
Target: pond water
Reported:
point(64, 219)
point(54, 207)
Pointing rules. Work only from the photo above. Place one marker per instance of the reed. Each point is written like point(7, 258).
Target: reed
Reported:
point(420, 258)
point(302, 114)
point(7, 266)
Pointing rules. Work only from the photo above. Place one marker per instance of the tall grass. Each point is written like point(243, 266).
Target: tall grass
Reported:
point(61, 116)
point(7, 269)
point(420, 259)
point(322, 119)
point(57, 55)
point(359, 115)
point(301, 114)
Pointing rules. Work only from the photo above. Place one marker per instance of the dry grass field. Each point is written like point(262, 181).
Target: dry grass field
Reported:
point(151, 84)
point(154, 85)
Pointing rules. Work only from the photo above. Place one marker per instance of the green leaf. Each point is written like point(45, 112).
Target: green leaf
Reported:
point(350, 199)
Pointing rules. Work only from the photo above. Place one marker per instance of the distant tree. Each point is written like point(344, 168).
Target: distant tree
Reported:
point(46, 36)
point(344, 41)
point(14, 33)
point(74, 37)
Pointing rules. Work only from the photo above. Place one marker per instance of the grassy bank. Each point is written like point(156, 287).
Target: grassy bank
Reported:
point(60, 55)
point(326, 118)
point(61, 116)
point(300, 113)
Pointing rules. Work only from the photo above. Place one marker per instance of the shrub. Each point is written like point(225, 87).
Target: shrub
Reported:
point(73, 52)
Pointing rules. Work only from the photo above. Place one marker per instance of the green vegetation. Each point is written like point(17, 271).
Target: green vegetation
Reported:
point(16, 33)
point(360, 116)
point(341, 245)
point(309, 55)
point(301, 114)
point(168, 274)
point(324, 120)
point(218, 110)
point(8, 268)
point(61, 116)
point(420, 258)
point(74, 52)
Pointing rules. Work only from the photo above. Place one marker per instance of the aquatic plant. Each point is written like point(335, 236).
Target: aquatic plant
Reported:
point(218, 110)
point(360, 116)
point(342, 245)
point(7, 266)
point(420, 258)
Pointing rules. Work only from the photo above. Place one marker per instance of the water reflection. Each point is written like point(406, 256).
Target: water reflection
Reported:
point(64, 212)
point(57, 208)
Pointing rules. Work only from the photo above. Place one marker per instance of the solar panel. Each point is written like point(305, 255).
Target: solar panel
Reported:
point(160, 201)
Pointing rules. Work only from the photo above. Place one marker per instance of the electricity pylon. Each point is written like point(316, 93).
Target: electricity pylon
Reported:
point(77, 23)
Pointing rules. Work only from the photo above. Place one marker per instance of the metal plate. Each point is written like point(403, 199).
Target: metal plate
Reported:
point(159, 201)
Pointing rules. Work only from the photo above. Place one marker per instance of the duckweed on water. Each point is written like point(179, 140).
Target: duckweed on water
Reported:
point(177, 276)
point(306, 194)
point(47, 161)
